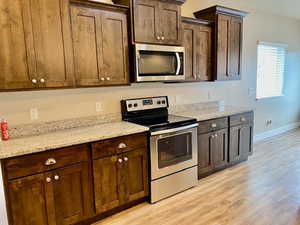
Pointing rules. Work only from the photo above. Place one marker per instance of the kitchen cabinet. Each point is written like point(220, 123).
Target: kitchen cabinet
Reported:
point(100, 42)
point(241, 137)
point(197, 36)
point(121, 172)
point(227, 40)
point(155, 21)
point(212, 146)
point(56, 196)
point(36, 50)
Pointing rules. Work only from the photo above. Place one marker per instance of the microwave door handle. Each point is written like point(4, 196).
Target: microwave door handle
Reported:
point(178, 63)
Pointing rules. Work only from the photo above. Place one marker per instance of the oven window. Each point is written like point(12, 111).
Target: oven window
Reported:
point(153, 63)
point(174, 149)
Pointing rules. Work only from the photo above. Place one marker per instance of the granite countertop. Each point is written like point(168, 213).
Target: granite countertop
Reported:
point(211, 112)
point(68, 137)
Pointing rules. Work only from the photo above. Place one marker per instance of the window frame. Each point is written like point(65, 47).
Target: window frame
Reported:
point(277, 45)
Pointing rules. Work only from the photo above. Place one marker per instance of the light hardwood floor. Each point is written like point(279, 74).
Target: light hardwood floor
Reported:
point(262, 191)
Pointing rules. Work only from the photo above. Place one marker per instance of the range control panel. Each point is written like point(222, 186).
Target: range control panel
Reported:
point(146, 103)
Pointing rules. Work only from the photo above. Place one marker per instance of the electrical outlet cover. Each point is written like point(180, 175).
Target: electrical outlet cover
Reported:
point(34, 114)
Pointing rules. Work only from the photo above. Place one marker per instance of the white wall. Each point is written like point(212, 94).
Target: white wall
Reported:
point(63, 104)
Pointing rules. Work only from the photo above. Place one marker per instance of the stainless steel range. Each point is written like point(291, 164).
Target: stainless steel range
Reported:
point(173, 145)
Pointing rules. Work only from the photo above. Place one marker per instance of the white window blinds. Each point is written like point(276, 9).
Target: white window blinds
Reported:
point(270, 69)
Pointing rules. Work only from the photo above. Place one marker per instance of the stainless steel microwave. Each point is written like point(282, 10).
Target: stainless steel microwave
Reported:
point(159, 63)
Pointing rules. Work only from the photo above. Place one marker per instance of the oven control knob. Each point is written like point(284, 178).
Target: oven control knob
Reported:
point(129, 105)
point(135, 104)
point(163, 102)
point(158, 102)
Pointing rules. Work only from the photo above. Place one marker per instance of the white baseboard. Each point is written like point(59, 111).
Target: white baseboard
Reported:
point(271, 133)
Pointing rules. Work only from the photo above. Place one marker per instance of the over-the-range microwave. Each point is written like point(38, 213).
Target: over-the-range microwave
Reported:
point(159, 63)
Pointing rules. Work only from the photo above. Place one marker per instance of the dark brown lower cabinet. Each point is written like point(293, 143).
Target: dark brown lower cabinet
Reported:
point(58, 197)
point(212, 151)
point(241, 144)
point(120, 179)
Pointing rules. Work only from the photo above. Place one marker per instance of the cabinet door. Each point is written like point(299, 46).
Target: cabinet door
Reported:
point(87, 44)
point(17, 55)
point(240, 145)
point(28, 201)
point(235, 51)
point(223, 48)
point(107, 180)
point(189, 45)
point(72, 194)
point(52, 42)
point(205, 147)
point(115, 48)
point(203, 53)
point(146, 21)
point(136, 173)
point(220, 149)
point(170, 23)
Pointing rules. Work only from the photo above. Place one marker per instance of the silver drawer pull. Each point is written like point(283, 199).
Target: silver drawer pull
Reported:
point(48, 179)
point(56, 177)
point(243, 119)
point(120, 160)
point(50, 161)
point(213, 125)
point(125, 159)
point(122, 145)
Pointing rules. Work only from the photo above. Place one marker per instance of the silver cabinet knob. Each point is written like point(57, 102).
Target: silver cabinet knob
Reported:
point(42, 80)
point(216, 135)
point(48, 179)
point(158, 37)
point(213, 125)
point(162, 38)
point(243, 119)
point(122, 145)
point(125, 159)
point(34, 81)
point(212, 136)
point(56, 177)
point(120, 160)
point(102, 78)
point(107, 78)
point(50, 161)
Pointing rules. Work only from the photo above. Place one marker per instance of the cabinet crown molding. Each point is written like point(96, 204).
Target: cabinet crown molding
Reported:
point(221, 9)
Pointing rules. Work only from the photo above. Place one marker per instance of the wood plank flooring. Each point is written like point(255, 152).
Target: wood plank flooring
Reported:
point(265, 190)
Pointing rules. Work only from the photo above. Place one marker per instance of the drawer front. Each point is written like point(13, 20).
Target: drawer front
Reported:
point(118, 145)
point(212, 125)
point(44, 161)
point(240, 119)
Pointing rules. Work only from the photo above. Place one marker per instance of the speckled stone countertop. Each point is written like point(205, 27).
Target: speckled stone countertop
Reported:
point(201, 113)
point(68, 137)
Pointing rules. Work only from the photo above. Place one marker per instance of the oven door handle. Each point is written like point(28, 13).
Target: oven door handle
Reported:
point(178, 63)
point(155, 133)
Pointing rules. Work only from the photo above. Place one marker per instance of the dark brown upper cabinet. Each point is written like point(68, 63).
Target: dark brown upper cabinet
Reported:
point(155, 21)
point(35, 44)
point(100, 42)
point(227, 40)
point(197, 43)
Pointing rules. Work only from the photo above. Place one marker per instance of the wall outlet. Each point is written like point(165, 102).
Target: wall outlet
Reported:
point(269, 122)
point(99, 107)
point(34, 114)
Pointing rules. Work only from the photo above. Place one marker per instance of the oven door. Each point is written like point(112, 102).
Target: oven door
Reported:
point(159, 63)
point(173, 150)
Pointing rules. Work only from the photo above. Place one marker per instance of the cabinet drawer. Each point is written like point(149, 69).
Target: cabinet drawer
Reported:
point(118, 145)
point(212, 125)
point(240, 119)
point(40, 162)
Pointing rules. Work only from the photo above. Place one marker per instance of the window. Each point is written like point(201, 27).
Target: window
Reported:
point(270, 69)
